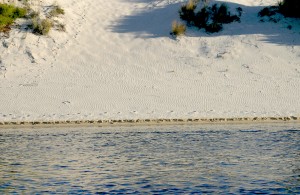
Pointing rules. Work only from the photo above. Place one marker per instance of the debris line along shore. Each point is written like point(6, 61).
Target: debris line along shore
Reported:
point(162, 121)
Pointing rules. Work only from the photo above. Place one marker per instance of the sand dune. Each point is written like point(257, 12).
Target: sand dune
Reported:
point(116, 60)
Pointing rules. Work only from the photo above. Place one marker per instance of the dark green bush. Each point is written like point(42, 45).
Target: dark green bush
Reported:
point(290, 8)
point(268, 11)
point(202, 17)
point(209, 18)
point(187, 11)
point(220, 14)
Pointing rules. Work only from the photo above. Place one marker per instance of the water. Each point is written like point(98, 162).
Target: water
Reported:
point(151, 160)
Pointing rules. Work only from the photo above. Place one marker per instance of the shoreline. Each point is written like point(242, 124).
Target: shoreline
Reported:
point(146, 122)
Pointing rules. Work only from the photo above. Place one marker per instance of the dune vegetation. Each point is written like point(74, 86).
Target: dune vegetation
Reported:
point(37, 21)
point(198, 13)
point(8, 14)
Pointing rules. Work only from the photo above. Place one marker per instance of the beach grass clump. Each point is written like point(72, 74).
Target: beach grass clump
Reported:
point(178, 28)
point(211, 18)
point(41, 26)
point(8, 14)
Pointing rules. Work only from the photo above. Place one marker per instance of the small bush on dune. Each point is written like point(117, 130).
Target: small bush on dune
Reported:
point(187, 11)
point(209, 18)
point(178, 28)
point(8, 14)
point(268, 11)
point(202, 17)
point(220, 14)
point(290, 8)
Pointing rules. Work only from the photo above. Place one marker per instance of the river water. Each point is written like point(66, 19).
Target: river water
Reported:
point(259, 159)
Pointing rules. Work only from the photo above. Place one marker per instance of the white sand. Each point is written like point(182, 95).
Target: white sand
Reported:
point(117, 61)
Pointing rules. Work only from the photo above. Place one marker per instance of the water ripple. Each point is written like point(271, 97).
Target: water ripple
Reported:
point(178, 160)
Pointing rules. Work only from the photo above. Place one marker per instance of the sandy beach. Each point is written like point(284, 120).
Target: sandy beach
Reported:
point(118, 61)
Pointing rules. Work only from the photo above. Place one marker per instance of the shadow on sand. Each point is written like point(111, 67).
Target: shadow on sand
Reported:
point(156, 22)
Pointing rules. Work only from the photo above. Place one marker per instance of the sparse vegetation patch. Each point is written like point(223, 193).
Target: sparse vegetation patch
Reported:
point(41, 21)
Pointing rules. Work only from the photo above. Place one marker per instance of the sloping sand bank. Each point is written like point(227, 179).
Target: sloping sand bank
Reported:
point(117, 61)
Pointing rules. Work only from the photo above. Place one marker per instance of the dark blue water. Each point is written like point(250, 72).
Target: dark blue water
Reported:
point(151, 160)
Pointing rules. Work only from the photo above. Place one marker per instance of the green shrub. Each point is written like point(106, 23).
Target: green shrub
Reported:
point(178, 29)
point(8, 14)
point(12, 11)
point(5, 22)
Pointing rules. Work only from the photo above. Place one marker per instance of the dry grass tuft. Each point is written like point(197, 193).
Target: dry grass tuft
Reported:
point(41, 26)
point(191, 5)
point(178, 28)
